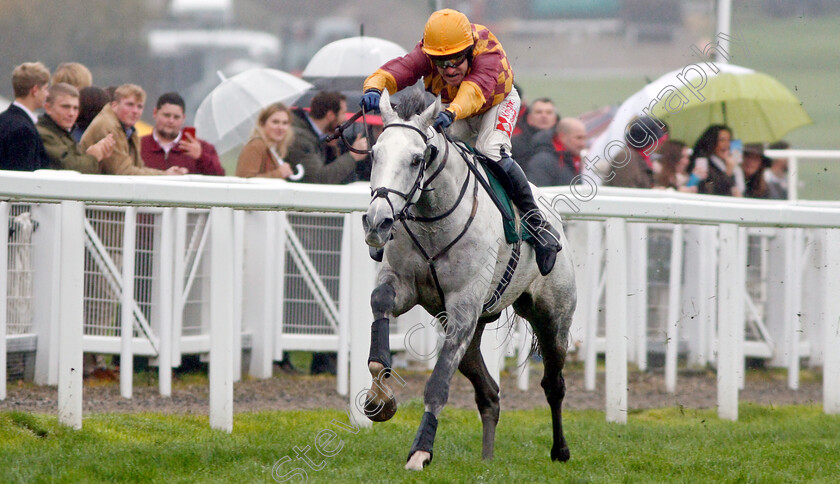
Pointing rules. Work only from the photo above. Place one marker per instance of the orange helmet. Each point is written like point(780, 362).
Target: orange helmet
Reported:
point(447, 32)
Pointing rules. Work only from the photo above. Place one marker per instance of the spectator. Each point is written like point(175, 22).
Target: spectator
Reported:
point(713, 164)
point(21, 148)
point(323, 163)
point(557, 158)
point(91, 101)
point(541, 116)
point(119, 118)
point(777, 175)
point(673, 167)
point(753, 167)
point(263, 155)
point(642, 138)
point(168, 146)
point(61, 110)
point(73, 73)
point(465, 64)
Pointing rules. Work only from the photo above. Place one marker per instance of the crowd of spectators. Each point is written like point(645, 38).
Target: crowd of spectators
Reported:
point(549, 148)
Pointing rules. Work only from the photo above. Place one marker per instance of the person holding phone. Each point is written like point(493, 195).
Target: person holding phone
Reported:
point(173, 144)
point(713, 169)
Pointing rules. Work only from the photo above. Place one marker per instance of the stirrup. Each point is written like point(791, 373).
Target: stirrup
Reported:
point(546, 246)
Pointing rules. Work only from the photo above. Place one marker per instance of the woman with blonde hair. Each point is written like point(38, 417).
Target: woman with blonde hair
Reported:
point(262, 155)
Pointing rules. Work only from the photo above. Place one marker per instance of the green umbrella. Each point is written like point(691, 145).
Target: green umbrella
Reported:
point(756, 106)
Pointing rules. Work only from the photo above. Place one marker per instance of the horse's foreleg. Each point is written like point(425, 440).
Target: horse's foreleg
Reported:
point(459, 332)
point(486, 392)
point(380, 404)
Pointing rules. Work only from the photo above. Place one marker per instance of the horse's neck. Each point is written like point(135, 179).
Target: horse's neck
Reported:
point(447, 185)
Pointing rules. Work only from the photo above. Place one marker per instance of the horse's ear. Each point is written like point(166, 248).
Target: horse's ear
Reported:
point(429, 114)
point(388, 114)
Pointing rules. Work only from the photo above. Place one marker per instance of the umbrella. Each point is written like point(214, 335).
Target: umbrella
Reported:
point(597, 121)
point(351, 57)
point(226, 117)
point(635, 105)
point(756, 106)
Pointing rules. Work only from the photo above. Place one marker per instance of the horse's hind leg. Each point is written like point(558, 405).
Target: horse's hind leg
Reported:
point(486, 391)
point(551, 329)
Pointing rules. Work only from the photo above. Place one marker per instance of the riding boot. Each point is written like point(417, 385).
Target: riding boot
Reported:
point(546, 240)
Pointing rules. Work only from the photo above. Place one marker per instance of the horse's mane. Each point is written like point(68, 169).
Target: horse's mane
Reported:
point(414, 102)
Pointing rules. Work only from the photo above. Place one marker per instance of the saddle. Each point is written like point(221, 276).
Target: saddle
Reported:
point(500, 196)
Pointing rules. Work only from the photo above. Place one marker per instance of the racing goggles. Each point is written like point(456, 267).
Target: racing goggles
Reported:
point(444, 62)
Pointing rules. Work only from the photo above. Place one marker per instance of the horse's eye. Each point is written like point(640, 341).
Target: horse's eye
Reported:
point(416, 160)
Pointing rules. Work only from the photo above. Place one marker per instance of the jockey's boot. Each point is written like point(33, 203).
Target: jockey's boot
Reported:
point(546, 240)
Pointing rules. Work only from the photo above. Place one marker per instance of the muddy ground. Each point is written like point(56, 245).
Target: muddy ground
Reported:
point(288, 391)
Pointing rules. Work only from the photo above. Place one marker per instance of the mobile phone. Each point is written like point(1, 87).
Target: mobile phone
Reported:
point(190, 130)
point(736, 147)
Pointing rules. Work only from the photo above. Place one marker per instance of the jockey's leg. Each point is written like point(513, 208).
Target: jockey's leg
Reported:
point(494, 142)
point(545, 239)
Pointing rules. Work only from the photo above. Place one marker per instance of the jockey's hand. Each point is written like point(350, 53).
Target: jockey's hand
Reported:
point(370, 100)
point(443, 120)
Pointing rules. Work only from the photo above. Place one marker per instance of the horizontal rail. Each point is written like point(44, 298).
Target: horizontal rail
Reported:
point(199, 191)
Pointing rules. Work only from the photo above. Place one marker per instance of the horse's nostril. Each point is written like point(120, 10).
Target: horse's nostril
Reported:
point(386, 224)
point(365, 223)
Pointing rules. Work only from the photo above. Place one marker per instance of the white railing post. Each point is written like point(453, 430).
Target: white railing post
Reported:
point(672, 330)
point(167, 248)
point(71, 311)
point(178, 296)
point(492, 348)
point(277, 312)
point(729, 323)
point(345, 282)
point(238, 266)
point(127, 302)
point(221, 319)
point(361, 316)
point(523, 355)
point(260, 258)
point(46, 260)
point(831, 322)
point(4, 274)
point(793, 296)
point(616, 316)
point(637, 282)
point(594, 253)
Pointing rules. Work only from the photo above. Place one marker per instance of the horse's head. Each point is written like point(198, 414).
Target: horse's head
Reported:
point(400, 159)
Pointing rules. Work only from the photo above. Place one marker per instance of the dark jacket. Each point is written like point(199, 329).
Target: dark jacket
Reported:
point(62, 149)
point(717, 182)
point(637, 173)
point(21, 147)
point(549, 167)
point(309, 151)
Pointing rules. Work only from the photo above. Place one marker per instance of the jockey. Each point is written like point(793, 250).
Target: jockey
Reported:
point(465, 64)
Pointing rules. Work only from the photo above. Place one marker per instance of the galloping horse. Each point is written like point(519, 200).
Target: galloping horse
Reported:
point(448, 253)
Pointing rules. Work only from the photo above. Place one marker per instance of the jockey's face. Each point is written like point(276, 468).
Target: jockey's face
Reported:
point(453, 75)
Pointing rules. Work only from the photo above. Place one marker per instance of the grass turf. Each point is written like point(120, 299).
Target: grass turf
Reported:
point(767, 444)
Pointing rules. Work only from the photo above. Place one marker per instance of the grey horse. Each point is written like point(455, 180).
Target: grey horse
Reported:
point(446, 251)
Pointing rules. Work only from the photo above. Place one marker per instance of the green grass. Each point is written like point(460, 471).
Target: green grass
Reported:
point(768, 444)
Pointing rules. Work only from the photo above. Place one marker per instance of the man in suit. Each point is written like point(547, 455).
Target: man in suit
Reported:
point(21, 148)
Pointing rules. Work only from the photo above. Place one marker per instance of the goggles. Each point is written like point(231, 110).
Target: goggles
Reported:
point(449, 62)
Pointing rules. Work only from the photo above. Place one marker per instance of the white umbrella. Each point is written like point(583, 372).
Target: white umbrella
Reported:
point(646, 99)
point(226, 117)
point(352, 57)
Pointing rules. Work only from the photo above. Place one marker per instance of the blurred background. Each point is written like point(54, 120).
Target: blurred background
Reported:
point(584, 54)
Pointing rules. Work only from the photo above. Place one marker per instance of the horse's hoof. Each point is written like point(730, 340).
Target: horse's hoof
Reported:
point(418, 461)
point(380, 412)
point(560, 456)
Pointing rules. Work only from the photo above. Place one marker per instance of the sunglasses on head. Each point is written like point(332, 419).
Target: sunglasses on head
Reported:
point(449, 62)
